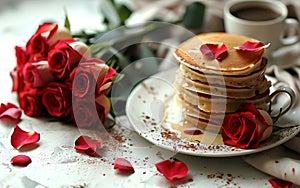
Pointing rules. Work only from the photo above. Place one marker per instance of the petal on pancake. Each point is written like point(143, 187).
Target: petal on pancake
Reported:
point(252, 46)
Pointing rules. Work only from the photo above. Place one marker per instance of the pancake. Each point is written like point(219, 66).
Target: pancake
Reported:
point(231, 81)
point(213, 104)
point(217, 89)
point(207, 90)
point(237, 62)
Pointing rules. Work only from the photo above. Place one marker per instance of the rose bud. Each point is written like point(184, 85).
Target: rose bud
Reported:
point(82, 48)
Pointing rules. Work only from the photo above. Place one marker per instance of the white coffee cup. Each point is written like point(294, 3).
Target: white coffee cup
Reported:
point(265, 20)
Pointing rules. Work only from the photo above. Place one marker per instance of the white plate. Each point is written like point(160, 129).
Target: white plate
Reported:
point(152, 100)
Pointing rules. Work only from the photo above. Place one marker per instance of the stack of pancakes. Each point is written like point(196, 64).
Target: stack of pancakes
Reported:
point(207, 89)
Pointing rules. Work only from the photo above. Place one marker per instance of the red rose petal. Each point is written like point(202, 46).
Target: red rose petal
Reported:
point(20, 160)
point(193, 131)
point(87, 145)
point(10, 110)
point(172, 169)
point(278, 183)
point(20, 138)
point(252, 46)
point(214, 51)
point(47, 27)
point(123, 164)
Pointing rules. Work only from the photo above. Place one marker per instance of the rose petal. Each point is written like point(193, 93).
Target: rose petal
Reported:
point(193, 131)
point(10, 110)
point(123, 164)
point(214, 51)
point(172, 169)
point(61, 33)
point(47, 29)
point(82, 48)
point(20, 138)
point(87, 145)
point(20, 160)
point(278, 183)
point(252, 46)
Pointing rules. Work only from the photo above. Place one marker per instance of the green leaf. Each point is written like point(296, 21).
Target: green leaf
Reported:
point(67, 21)
point(124, 13)
point(194, 15)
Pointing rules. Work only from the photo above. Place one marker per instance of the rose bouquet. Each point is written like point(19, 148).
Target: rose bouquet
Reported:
point(56, 76)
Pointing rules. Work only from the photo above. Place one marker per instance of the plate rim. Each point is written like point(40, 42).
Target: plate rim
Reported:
point(238, 151)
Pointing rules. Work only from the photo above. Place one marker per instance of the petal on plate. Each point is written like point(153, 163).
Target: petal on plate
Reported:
point(20, 160)
point(172, 169)
point(252, 46)
point(20, 138)
point(193, 131)
point(123, 164)
point(10, 110)
point(87, 145)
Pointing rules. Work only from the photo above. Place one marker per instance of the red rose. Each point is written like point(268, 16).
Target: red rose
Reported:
point(40, 42)
point(87, 113)
point(37, 74)
point(84, 82)
point(17, 80)
point(17, 74)
point(21, 56)
point(31, 102)
point(92, 77)
point(63, 59)
point(57, 99)
point(245, 128)
point(37, 48)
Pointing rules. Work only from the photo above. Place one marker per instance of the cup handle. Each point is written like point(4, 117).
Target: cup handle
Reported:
point(292, 96)
point(291, 32)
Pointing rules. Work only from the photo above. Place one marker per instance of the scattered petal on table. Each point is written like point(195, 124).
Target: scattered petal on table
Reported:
point(20, 160)
point(87, 145)
point(172, 169)
point(123, 164)
point(10, 110)
point(20, 138)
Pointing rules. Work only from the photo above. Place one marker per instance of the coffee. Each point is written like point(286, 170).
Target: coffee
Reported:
point(255, 13)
